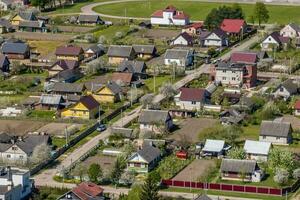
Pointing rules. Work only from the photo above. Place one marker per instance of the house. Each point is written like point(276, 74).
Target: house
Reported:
point(68, 88)
point(6, 5)
point(241, 170)
point(92, 20)
point(22, 16)
point(155, 121)
point(69, 52)
point(137, 68)
point(145, 52)
point(286, 89)
point(50, 102)
point(214, 148)
point(4, 64)
point(94, 51)
point(62, 65)
point(234, 74)
point(276, 132)
point(216, 38)
point(66, 76)
point(256, 150)
point(144, 160)
point(274, 41)
point(170, 16)
point(86, 108)
point(193, 29)
point(183, 39)
point(16, 50)
point(179, 57)
point(123, 79)
point(291, 30)
point(84, 191)
point(15, 183)
point(191, 98)
point(245, 104)
point(117, 54)
point(145, 24)
point(109, 93)
point(32, 26)
point(297, 108)
point(234, 27)
point(5, 26)
point(231, 116)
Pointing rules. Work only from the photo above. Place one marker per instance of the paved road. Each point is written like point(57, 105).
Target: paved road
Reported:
point(271, 75)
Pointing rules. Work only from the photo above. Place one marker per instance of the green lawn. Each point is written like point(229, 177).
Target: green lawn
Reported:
point(110, 32)
point(159, 80)
point(197, 10)
point(250, 132)
point(42, 114)
point(58, 142)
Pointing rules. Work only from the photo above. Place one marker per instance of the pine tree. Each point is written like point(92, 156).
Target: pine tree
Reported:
point(150, 189)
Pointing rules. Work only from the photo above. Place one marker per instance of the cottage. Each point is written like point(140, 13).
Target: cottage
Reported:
point(32, 26)
point(66, 76)
point(109, 93)
point(183, 39)
point(241, 170)
point(69, 52)
point(85, 190)
point(137, 68)
point(276, 132)
point(191, 98)
point(144, 160)
point(23, 16)
point(91, 20)
point(179, 57)
point(214, 148)
point(297, 108)
point(5, 26)
point(6, 5)
point(257, 150)
point(62, 65)
point(68, 88)
point(94, 51)
point(4, 64)
point(123, 79)
point(145, 52)
point(234, 27)
point(155, 121)
point(193, 29)
point(274, 41)
point(286, 89)
point(231, 116)
point(117, 54)
point(16, 50)
point(50, 102)
point(291, 30)
point(86, 108)
point(170, 16)
point(216, 38)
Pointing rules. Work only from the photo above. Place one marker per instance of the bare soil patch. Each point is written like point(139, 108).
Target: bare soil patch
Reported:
point(19, 127)
point(106, 162)
point(161, 33)
point(57, 129)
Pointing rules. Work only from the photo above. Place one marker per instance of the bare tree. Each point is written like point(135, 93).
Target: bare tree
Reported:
point(95, 66)
point(168, 90)
point(147, 100)
point(40, 153)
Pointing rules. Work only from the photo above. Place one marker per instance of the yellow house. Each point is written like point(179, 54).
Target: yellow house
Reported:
point(22, 16)
point(86, 108)
point(109, 93)
point(69, 52)
point(117, 54)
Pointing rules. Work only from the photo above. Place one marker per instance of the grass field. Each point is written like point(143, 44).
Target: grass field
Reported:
point(197, 10)
point(45, 47)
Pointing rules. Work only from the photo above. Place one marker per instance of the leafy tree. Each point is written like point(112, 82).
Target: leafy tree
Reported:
point(41, 153)
point(95, 172)
point(281, 159)
point(135, 192)
point(281, 177)
point(118, 169)
point(216, 97)
point(150, 189)
point(237, 153)
point(155, 176)
point(296, 173)
point(261, 13)
point(128, 149)
point(269, 111)
point(231, 133)
point(80, 170)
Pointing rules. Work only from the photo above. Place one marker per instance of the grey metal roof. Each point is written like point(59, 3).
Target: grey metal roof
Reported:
point(153, 116)
point(257, 147)
point(238, 166)
point(213, 145)
point(176, 54)
point(145, 49)
point(27, 15)
point(30, 142)
point(32, 24)
point(49, 99)
point(14, 47)
point(290, 86)
point(89, 18)
point(149, 153)
point(5, 138)
point(275, 128)
point(115, 88)
point(120, 51)
point(68, 87)
point(132, 66)
point(96, 48)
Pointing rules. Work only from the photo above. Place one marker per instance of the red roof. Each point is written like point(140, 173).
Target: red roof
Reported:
point(158, 13)
point(69, 50)
point(232, 25)
point(297, 105)
point(177, 14)
point(195, 25)
point(86, 190)
point(192, 94)
point(243, 57)
point(180, 15)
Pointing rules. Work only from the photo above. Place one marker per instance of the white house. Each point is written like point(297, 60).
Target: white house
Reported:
point(276, 132)
point(170, 16)
point(274, 40)
point(257, 150)
point(183, 39)
point(179, 57)
point(191, 98)
point(216, 38)
point(228, 73)
point(286, 89)
point(291, 30)
point(15, 184)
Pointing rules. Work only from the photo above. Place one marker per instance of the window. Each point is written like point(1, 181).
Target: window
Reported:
point(269, 39)
point(21, 157)
point(224, 78)
point(264, 137)
point(281, 89)
point(193, 102)
point(14, 148)
point(277, 138)
point(224, 71)
point(233, 78)
point(8, 156)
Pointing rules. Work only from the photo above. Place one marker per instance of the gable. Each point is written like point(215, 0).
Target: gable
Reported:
point(213, 36)
point(14, 149)
point(137, 158)
point(56, 68)
point(270, 39)
point(80, 106)
point(17, 18)
point(105, 91)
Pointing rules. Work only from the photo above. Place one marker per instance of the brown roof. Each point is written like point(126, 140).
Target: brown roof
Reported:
point(87, 190)
point(192, 94)
point(69, 50)
point(124, 77)
point(89, 102)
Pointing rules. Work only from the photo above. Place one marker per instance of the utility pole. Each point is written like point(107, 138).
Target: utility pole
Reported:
point(66, 135)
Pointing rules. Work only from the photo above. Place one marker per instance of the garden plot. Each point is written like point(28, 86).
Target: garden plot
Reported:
point(106, 162)
point(161, 33)
point(58, 129)
point(19, 127)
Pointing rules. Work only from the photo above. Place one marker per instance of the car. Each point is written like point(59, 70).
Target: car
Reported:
point(101, 128)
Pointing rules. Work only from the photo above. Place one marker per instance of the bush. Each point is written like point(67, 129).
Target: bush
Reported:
point(281, 177)
point(296, 173)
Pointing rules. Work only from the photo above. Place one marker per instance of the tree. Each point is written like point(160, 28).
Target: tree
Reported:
point(41, 153)
point(150, 189)
point(261, 13)
point(118, 169)
point(296, 173)
point(128, 149)
point(168, 90)
point(135, 192)
point(80, 170)
point(237, 153)
point(95, 66)
point(281, 159)
point(231, 133)
point(147, 100)
point(102, 39)
point(95, 172)
point(281, 177)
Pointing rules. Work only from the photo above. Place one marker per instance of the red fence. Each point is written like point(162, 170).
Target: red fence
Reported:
point(225, 187)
